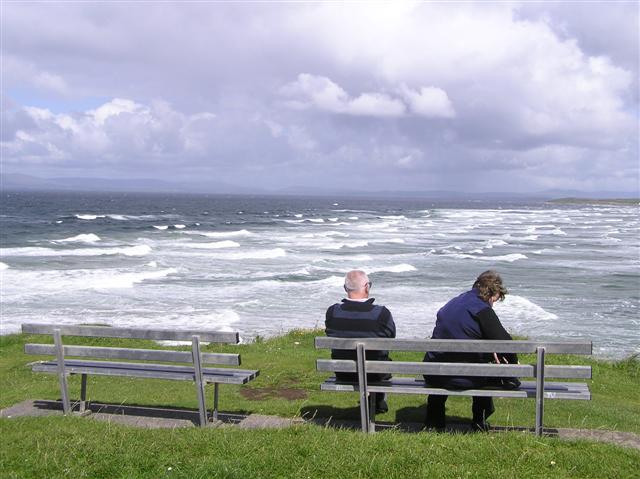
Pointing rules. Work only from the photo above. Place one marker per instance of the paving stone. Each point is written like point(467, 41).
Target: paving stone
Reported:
point(153, 417)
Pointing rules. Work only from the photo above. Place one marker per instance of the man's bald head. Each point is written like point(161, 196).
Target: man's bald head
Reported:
point(357, 284)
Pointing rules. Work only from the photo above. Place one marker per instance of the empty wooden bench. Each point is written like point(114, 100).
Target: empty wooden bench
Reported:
point(108, 361)
point(538, 389)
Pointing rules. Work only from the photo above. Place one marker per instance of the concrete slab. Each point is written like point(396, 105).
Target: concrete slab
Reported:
point(259, 421)
point(158, 417)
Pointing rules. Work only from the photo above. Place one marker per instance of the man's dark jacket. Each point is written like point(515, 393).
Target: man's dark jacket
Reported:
point(359, 319)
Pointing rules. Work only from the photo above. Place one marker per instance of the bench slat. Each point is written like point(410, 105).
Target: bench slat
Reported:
point(455, 369)
point(458, 345)
point(133, 333)
point(156, 371)
point(552, 390)
point(135, 354)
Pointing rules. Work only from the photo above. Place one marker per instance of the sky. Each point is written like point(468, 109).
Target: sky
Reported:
point(395, 96)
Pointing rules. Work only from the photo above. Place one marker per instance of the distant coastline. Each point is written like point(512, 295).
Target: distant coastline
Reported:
point(597, 201)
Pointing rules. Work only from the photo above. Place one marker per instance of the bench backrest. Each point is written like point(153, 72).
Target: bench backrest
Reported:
point(458, 346)
point(112, 353)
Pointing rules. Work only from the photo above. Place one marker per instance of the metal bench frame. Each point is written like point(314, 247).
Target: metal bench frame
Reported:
point(191, 365)
point(540, 389)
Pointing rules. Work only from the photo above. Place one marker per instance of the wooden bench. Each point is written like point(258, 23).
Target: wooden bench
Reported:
point(106, 361)
point(539, 389)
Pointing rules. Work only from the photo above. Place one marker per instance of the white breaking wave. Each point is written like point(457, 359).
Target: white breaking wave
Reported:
point(3, 266)
point(89, 217)
point(522, 309)
point(179, 227)
point(139, 250)
point(354, 244)
point(215, 245)
point(220, 234)
point(256, 254)
point(495, 242)
point(161, 227)
point(62, 282)
point(82, 238)
point(510, 258)
point(398, 268)
point(356, 257)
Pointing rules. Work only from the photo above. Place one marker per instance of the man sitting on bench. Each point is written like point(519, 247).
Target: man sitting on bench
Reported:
point(358, 317)
point(470, 316)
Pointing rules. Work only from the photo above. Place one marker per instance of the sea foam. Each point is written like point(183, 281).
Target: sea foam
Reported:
point(82, 238)
point(220, 234)
point(214, 245)
point(139, 250)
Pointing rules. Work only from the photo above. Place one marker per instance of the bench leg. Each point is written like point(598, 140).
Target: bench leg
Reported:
point(372, 412)
point(362, 386)
point(83, 394)
point(197, 365)
point(539, 390)
point(62, 375)
point(215, 400)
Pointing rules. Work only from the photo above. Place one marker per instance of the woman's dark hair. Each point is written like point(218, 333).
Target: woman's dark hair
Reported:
point(489, 284)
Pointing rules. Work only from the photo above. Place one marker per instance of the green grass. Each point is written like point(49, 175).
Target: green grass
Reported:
point(81, 448)
point(78, 447)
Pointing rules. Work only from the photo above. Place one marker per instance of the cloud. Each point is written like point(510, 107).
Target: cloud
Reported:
point(120, 131)
point(388, 95)
point(430, 102)
point(310, 91)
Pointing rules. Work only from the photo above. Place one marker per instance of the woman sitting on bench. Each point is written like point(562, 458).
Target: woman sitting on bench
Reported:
point(469, 316)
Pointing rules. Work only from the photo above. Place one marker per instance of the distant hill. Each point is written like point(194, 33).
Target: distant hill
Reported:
point(140, 185)
point(20, 182)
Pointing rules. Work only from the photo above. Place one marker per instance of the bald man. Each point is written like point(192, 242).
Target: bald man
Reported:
point(357, 317)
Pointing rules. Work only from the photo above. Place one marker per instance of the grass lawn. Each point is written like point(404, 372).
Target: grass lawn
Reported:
point(288, 386)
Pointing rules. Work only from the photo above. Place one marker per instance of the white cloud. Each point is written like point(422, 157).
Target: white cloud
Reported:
point(431, 102)
point(118, 131)
point(311, 91)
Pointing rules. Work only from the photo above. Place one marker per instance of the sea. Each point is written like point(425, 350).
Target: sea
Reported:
point(266, 265)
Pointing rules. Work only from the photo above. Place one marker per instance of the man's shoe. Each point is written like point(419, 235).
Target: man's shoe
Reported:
point(435, 426)
point(480, 426)
point(382, 407)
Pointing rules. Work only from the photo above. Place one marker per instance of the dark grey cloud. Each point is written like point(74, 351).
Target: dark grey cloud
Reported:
point(390, 96)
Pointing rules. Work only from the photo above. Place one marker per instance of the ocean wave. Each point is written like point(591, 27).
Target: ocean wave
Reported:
point(89, 217)
point(3, 266)
point(215, 245)
point(56, 282)
point(356, 257)
point(522, 309)
point(393, 217)
point(179, 227)
point(82, 238)
point(510, 258)
point(220, 234)
point(495, 242)
point(139, 250)
point(255, 254)
point(161, 227)
point(354, 244)
point(398, 268)
point(325, 234)
point(390, 240)
point(219, 320)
